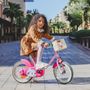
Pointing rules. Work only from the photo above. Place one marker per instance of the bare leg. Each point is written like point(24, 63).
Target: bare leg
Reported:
point(39, 54)
point(40, 64)
point(34, 55)
point(39, 48)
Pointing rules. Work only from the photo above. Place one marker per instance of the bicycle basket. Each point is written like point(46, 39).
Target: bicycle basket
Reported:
point(59, 45)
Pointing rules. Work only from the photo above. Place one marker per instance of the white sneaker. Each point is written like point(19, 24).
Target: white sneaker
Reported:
point(41, 65)
point(34, 80)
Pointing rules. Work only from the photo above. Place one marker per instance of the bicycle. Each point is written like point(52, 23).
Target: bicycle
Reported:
point(25, 70)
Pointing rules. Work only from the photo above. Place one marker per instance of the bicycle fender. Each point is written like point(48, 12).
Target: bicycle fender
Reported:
point(27, 63)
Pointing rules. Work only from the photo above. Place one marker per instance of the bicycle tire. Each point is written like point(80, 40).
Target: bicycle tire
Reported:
point(61, 80)
point(19, 79)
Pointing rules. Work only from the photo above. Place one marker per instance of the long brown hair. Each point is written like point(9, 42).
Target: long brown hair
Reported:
point(35, 19)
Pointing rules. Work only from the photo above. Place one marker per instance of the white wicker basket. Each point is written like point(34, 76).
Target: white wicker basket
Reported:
point(59, 45)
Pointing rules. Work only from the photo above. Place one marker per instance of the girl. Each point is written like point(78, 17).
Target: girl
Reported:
point(31, 43)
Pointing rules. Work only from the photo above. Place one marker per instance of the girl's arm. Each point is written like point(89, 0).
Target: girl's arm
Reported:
point(49, 37)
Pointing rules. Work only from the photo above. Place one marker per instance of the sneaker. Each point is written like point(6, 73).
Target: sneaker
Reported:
point(34, 81)
point(41, 65)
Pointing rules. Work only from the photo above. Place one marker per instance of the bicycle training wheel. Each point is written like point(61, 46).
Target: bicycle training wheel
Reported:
point(63, 73)
point(19, 73)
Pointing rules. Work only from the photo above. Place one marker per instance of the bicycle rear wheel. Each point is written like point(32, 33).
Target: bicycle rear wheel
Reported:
point(63, 73)
point(19, 72)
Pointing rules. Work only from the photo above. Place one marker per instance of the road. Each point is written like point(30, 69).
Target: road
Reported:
point(76, 55)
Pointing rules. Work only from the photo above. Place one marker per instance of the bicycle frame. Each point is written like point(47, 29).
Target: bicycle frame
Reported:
point(32, 63)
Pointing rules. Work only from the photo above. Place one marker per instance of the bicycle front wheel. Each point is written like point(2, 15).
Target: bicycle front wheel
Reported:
point(19, 72)
point(63, 73)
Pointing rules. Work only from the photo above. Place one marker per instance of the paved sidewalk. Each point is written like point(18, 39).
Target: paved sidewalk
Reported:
point(81, 80)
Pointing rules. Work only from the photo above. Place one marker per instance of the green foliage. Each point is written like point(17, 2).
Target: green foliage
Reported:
point(78, 11)
point(74, 15)
point(13, 11)
point(30, 14)
point(79, 34)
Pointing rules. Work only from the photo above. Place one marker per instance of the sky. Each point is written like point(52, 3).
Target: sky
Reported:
point(50, 8)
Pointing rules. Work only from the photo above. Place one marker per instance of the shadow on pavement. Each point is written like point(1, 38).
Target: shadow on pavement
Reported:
point(50, 81)
point(80, 80)
point(75, 81)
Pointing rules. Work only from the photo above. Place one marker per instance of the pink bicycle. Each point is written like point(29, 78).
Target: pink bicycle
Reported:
point(24, 70)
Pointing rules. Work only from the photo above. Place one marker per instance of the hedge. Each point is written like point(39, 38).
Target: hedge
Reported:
point(79, 34)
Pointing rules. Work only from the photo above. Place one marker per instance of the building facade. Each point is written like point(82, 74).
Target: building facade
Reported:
point(1, 7)
point(7, 33)
point(21, 2)
point(4, 4)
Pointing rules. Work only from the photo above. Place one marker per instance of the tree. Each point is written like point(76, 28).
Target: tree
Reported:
point(62, 26)
point(81, 6)
point(29, 15)
point(74, 14)
point(27, 20)
point(19, 19)
point(13, 11)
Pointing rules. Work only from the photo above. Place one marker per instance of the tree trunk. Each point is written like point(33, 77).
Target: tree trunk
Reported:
point(86, 18)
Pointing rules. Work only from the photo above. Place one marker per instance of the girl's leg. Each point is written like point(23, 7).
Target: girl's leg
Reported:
point(39, 54)
point(34, 56)
point(39, 49)
point(34, 53)
point(40, 64)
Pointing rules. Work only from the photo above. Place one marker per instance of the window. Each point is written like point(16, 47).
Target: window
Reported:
point(1, 1)
point(5, 2)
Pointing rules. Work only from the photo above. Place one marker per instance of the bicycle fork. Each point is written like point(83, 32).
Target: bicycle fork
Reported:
point(59, 64)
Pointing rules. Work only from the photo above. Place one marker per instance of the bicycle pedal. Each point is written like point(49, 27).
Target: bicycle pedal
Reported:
point(31, 73)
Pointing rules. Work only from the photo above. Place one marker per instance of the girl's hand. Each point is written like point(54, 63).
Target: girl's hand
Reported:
point(45, 44)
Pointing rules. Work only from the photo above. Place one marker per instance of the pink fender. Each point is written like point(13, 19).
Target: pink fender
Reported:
point(55, 65)
point(27, 63)
point(39, 73)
